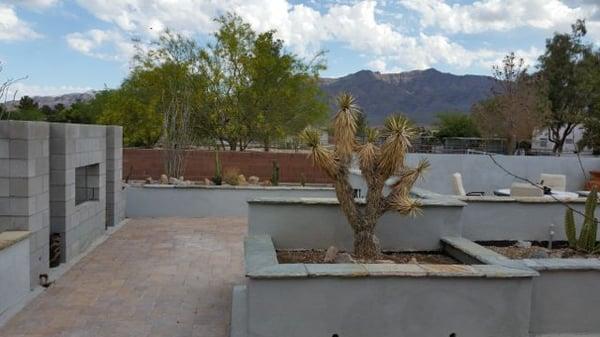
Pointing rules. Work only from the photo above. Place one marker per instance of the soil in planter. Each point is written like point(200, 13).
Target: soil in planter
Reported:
point(538, 250)
point(318, 256)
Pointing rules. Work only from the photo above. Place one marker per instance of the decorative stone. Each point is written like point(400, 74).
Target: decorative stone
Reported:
point(540, 254)
point(174, 181)
point(266, 183)
point(207, 182)
point(149, 180)
point(164, 179)
point(523, 244)
point(242, 180)
point(331, 254)
point(253, 180)
point(344, 258)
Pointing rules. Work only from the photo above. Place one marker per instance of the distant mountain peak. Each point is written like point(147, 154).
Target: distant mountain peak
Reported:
point(420, 94)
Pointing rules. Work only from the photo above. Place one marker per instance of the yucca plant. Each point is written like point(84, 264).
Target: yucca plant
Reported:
point(587, 235)
point(377, 163)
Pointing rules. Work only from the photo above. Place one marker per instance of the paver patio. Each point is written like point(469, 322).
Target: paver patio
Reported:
point(165, 277)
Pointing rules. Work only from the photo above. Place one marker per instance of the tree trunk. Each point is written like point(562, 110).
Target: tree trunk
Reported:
point(366, 244)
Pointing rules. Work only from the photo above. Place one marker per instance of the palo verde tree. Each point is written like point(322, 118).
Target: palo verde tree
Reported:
point(377, 163)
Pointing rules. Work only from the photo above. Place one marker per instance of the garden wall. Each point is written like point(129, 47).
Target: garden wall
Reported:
point(142, 163)
point(478, 171)
point(203, 201)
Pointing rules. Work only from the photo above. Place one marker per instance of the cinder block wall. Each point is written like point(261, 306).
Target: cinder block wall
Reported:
point(115, 202)
point(73, 146)
point(24, 187)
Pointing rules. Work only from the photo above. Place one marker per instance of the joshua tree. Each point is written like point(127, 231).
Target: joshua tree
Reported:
point(377, 163)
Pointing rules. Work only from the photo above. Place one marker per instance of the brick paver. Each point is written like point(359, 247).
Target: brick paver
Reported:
point(166, 277)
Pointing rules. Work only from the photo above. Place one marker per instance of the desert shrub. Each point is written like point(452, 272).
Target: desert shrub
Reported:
point(231, 176)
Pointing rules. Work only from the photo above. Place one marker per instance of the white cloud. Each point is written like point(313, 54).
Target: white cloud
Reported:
point(498, 15)
point(12, 28)
point(102, 44)
point(35, 4)
point(305, 30)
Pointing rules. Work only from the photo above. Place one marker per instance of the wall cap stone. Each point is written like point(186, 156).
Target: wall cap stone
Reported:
point(449, 202)
point(10, 238)
point(261, 263)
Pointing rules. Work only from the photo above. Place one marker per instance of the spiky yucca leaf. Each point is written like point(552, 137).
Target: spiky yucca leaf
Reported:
point(344, 125)
point(372, 135)
point(406, 205)
point(408, 176)
point(320, 156)
point(398, 132)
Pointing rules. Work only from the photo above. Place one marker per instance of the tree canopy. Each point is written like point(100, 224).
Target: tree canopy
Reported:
point(456, 124)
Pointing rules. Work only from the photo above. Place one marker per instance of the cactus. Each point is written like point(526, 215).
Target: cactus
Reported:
point(275, 173)
point(587, 235)
point(217, 179)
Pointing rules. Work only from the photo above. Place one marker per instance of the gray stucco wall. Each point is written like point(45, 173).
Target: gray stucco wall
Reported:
point(565, 301)
point(317, 225)
point(481, 174)
point(388, 307)
point(514, 220)
point(202, 201)
point(24, 187)
point(14, 274)
point(73, 146)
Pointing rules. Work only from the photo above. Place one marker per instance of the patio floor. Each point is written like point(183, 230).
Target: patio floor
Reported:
point(165, 277)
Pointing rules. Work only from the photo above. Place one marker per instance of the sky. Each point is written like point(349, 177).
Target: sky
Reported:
point(64, 46)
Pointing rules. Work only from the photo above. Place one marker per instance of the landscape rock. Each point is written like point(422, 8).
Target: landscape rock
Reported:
point(523, 244)
point(331, 254)
point(149, 180)
point(253, 180)
point(265, 183)
point(540, 254)
point(242, 180)
point(174, 181)
point(164, 179)
point(207, 182)
point(344, 258)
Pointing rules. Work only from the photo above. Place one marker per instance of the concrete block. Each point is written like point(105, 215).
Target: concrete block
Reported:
point(5, 168)
point(4, 148)
point(4, 187)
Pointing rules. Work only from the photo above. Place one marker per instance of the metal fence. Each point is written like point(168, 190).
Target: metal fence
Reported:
point(464, 145)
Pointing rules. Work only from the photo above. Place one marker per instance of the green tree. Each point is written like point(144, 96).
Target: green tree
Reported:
point(563, 72)
point(27, 110)
point(590, 67)
point(456, 124)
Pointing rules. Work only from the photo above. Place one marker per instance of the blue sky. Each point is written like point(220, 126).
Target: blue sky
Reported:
point(76, 45)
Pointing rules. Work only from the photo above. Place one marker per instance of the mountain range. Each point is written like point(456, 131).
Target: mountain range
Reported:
point(419, 94)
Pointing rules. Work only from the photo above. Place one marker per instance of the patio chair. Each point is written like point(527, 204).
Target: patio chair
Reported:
point(557, 182)
point(525, 190)
point(459, 189)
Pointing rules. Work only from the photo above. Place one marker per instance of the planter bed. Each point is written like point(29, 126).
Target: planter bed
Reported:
point(537, 250)
point(357, 300)
point(318, 223)
point(565, 295)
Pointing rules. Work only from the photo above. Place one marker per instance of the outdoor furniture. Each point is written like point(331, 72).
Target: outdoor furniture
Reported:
point(506, 192)
point(525, 190)
point(557, 182)
point(459, 189)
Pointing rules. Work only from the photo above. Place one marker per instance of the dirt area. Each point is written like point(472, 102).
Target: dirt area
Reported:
point(537, 250)
point(318, 256)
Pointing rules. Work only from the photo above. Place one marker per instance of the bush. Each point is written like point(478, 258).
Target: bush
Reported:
point(231, 176)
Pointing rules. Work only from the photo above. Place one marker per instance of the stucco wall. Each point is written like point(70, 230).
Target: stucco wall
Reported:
point(14, 274)
point(565, 301)
point(514, 220)
point(482, 175)
point(388, 307)
point(316, 225)
point(201, 201)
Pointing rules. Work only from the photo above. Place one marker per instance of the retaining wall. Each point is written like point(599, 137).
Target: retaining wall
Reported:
point(203, 201)
point(478, 171)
